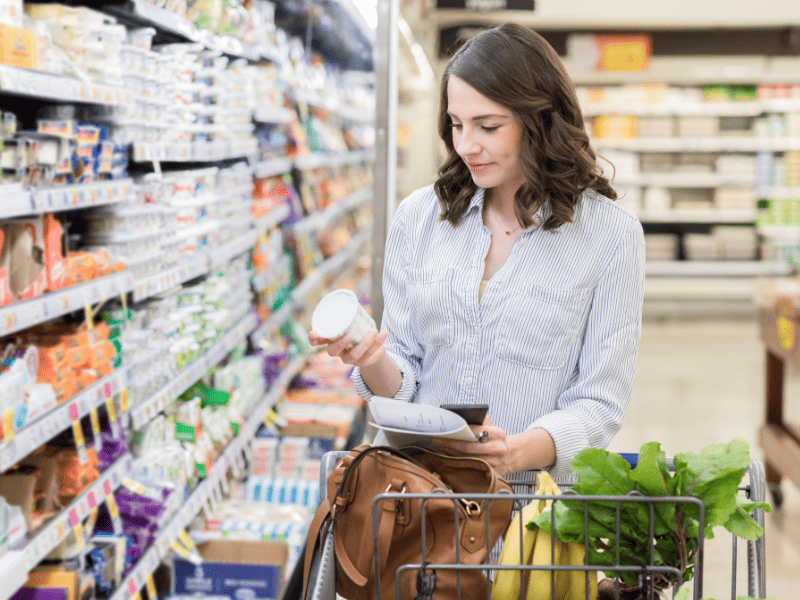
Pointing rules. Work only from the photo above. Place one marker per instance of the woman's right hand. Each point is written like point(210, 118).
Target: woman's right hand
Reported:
point(367, 352)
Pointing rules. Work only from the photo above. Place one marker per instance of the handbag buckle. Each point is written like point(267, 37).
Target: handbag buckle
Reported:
point(403, 490)
point(470, 506)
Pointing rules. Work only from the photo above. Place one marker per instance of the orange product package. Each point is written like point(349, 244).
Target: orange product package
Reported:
point(101, 353)
point(78, 357)
point(83, 266)
point(56, 265)
point(5, 260)
point(75, 476)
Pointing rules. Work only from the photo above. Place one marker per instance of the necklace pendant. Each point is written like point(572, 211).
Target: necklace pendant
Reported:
point(508, 233)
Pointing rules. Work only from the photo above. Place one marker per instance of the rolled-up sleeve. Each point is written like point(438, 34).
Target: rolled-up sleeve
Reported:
point(591, 410)
point(401, 344)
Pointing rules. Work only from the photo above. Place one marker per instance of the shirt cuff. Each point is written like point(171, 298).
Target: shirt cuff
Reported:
point(569, 437)
point(408, 388)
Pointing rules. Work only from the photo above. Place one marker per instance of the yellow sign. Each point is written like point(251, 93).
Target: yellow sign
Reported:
point(180, 549)
point(123, 399)
point(786, 333)
point(112, 414)
point(151, 587)
point(8, 424)
point(187, 541)
point(78, 433)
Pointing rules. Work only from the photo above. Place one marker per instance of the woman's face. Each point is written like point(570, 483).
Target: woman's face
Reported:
point(486, 135)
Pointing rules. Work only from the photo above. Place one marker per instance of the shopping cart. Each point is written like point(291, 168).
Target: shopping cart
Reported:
point(322, 578)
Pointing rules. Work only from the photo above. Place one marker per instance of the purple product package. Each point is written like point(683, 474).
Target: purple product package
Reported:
point(40, 594)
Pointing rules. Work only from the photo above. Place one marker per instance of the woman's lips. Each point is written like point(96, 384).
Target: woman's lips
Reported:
point(478, 168)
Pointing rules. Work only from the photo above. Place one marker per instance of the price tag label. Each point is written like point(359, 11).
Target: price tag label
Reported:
point(123, 399)
point(186, 539)
point(77, 527)
point(65, 302)
point(180, 549)
point(8, 425)
point(95, 420)
point(112, 413)
point(136, 596)
point(60, 530)
point(113, 511)
point(77, 431)
point(151, 587)
point(9, 320)
point(134, 486)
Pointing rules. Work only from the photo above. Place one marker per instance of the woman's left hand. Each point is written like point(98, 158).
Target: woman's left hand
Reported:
point(494, 449)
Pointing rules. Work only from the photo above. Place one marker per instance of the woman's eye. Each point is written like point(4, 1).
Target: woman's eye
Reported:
point(455, 125)
point(491, 129)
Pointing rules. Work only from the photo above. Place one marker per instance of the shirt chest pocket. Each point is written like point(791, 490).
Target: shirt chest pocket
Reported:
point(540, 325)
point(430, 300)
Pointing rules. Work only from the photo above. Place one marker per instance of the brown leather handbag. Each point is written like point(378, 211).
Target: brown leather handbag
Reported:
point(455, 528)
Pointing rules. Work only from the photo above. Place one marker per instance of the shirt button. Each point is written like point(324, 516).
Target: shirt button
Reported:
point(537, 221)
point(477, 330)
point(524, 241)
point(468, 381)
point(499, 280)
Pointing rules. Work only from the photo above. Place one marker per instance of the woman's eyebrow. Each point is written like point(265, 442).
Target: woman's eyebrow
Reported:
point(482, 117)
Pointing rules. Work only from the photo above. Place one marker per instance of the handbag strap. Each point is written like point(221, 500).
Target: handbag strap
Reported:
point(320, 518)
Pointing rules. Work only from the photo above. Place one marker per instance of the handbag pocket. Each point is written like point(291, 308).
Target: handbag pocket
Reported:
point(540, 325)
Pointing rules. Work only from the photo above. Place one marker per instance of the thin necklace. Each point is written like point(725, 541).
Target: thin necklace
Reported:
point(508, 231)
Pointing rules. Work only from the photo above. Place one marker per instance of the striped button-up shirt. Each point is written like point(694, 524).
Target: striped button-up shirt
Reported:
point(553, 342)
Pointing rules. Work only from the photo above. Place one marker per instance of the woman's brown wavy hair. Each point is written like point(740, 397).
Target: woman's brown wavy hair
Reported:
point(517, 68)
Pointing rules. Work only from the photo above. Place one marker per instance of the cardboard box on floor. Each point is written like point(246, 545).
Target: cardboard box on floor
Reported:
point(234, 568)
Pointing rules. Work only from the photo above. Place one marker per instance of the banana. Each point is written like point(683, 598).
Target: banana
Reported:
point(577, 579)
point(539, 581)
point(506, 584)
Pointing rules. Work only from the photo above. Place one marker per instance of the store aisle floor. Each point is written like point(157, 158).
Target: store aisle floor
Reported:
point(699, 383)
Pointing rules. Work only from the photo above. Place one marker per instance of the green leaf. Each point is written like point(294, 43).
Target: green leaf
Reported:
point(651, 472)
point(683, 593)
point(741, 523)
point(713, 476)
point(602, 473)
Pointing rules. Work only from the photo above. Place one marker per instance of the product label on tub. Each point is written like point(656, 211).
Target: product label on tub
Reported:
point(238, 581)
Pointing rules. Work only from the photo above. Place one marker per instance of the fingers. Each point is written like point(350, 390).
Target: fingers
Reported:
point(335, 348)
point(367, 347)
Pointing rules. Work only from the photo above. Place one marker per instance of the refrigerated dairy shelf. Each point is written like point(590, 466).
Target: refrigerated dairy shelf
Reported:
point(316, 161)
point(336, 263)
point(35, 434)
point(711, 108)
point(143, 412)
point(712, 216)
point(49, 86)
point(160, 550)
point(701, 144)
point(687, 180)
point(275, 320)
point(27, 313)
point(205, 262)
point(272, 167)
point(322, 219)
point(18, 202)
point(198, 151)
point(57, 529)
point(715, 268)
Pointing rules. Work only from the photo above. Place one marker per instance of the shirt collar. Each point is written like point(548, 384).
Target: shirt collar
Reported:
point(541, 215)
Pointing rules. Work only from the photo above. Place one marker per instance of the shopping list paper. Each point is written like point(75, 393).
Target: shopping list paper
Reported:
point(409, 424)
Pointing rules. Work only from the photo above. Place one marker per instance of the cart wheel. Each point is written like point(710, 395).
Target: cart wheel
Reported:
point(777, 494)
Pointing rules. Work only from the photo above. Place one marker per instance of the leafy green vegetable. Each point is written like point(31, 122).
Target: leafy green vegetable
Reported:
point(623, 526)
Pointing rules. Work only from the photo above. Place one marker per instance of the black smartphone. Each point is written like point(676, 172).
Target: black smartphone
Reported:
point(473, 414)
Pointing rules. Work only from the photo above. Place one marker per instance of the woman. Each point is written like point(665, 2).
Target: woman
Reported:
point(515, 280)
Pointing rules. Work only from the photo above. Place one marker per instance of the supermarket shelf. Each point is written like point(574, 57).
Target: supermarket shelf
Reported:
point(720, 268)
point(719, 109)
point(780, 192)
point(275, 320)
point(203, 263)
point(316, 161)
point(160, 550)
point(697, 216)
point(322, 219)
point(262, 280)
point(13, 573)
point(148, 409)
point(193, 151)
point(700, 144)
point(336, 263)
point(274, 115)
point(48, 86)
point(272, 218)
point(272, 167)
point(36, 434)
point(142, 11)
point(49, 536)
point(18, 201)
point(681, 72)
point(686, 180)
point(21, 315)
point(780, 232)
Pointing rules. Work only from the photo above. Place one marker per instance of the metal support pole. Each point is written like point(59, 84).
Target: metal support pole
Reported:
point(384, 195)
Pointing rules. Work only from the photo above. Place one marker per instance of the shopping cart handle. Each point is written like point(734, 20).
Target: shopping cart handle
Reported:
point(632, 458)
